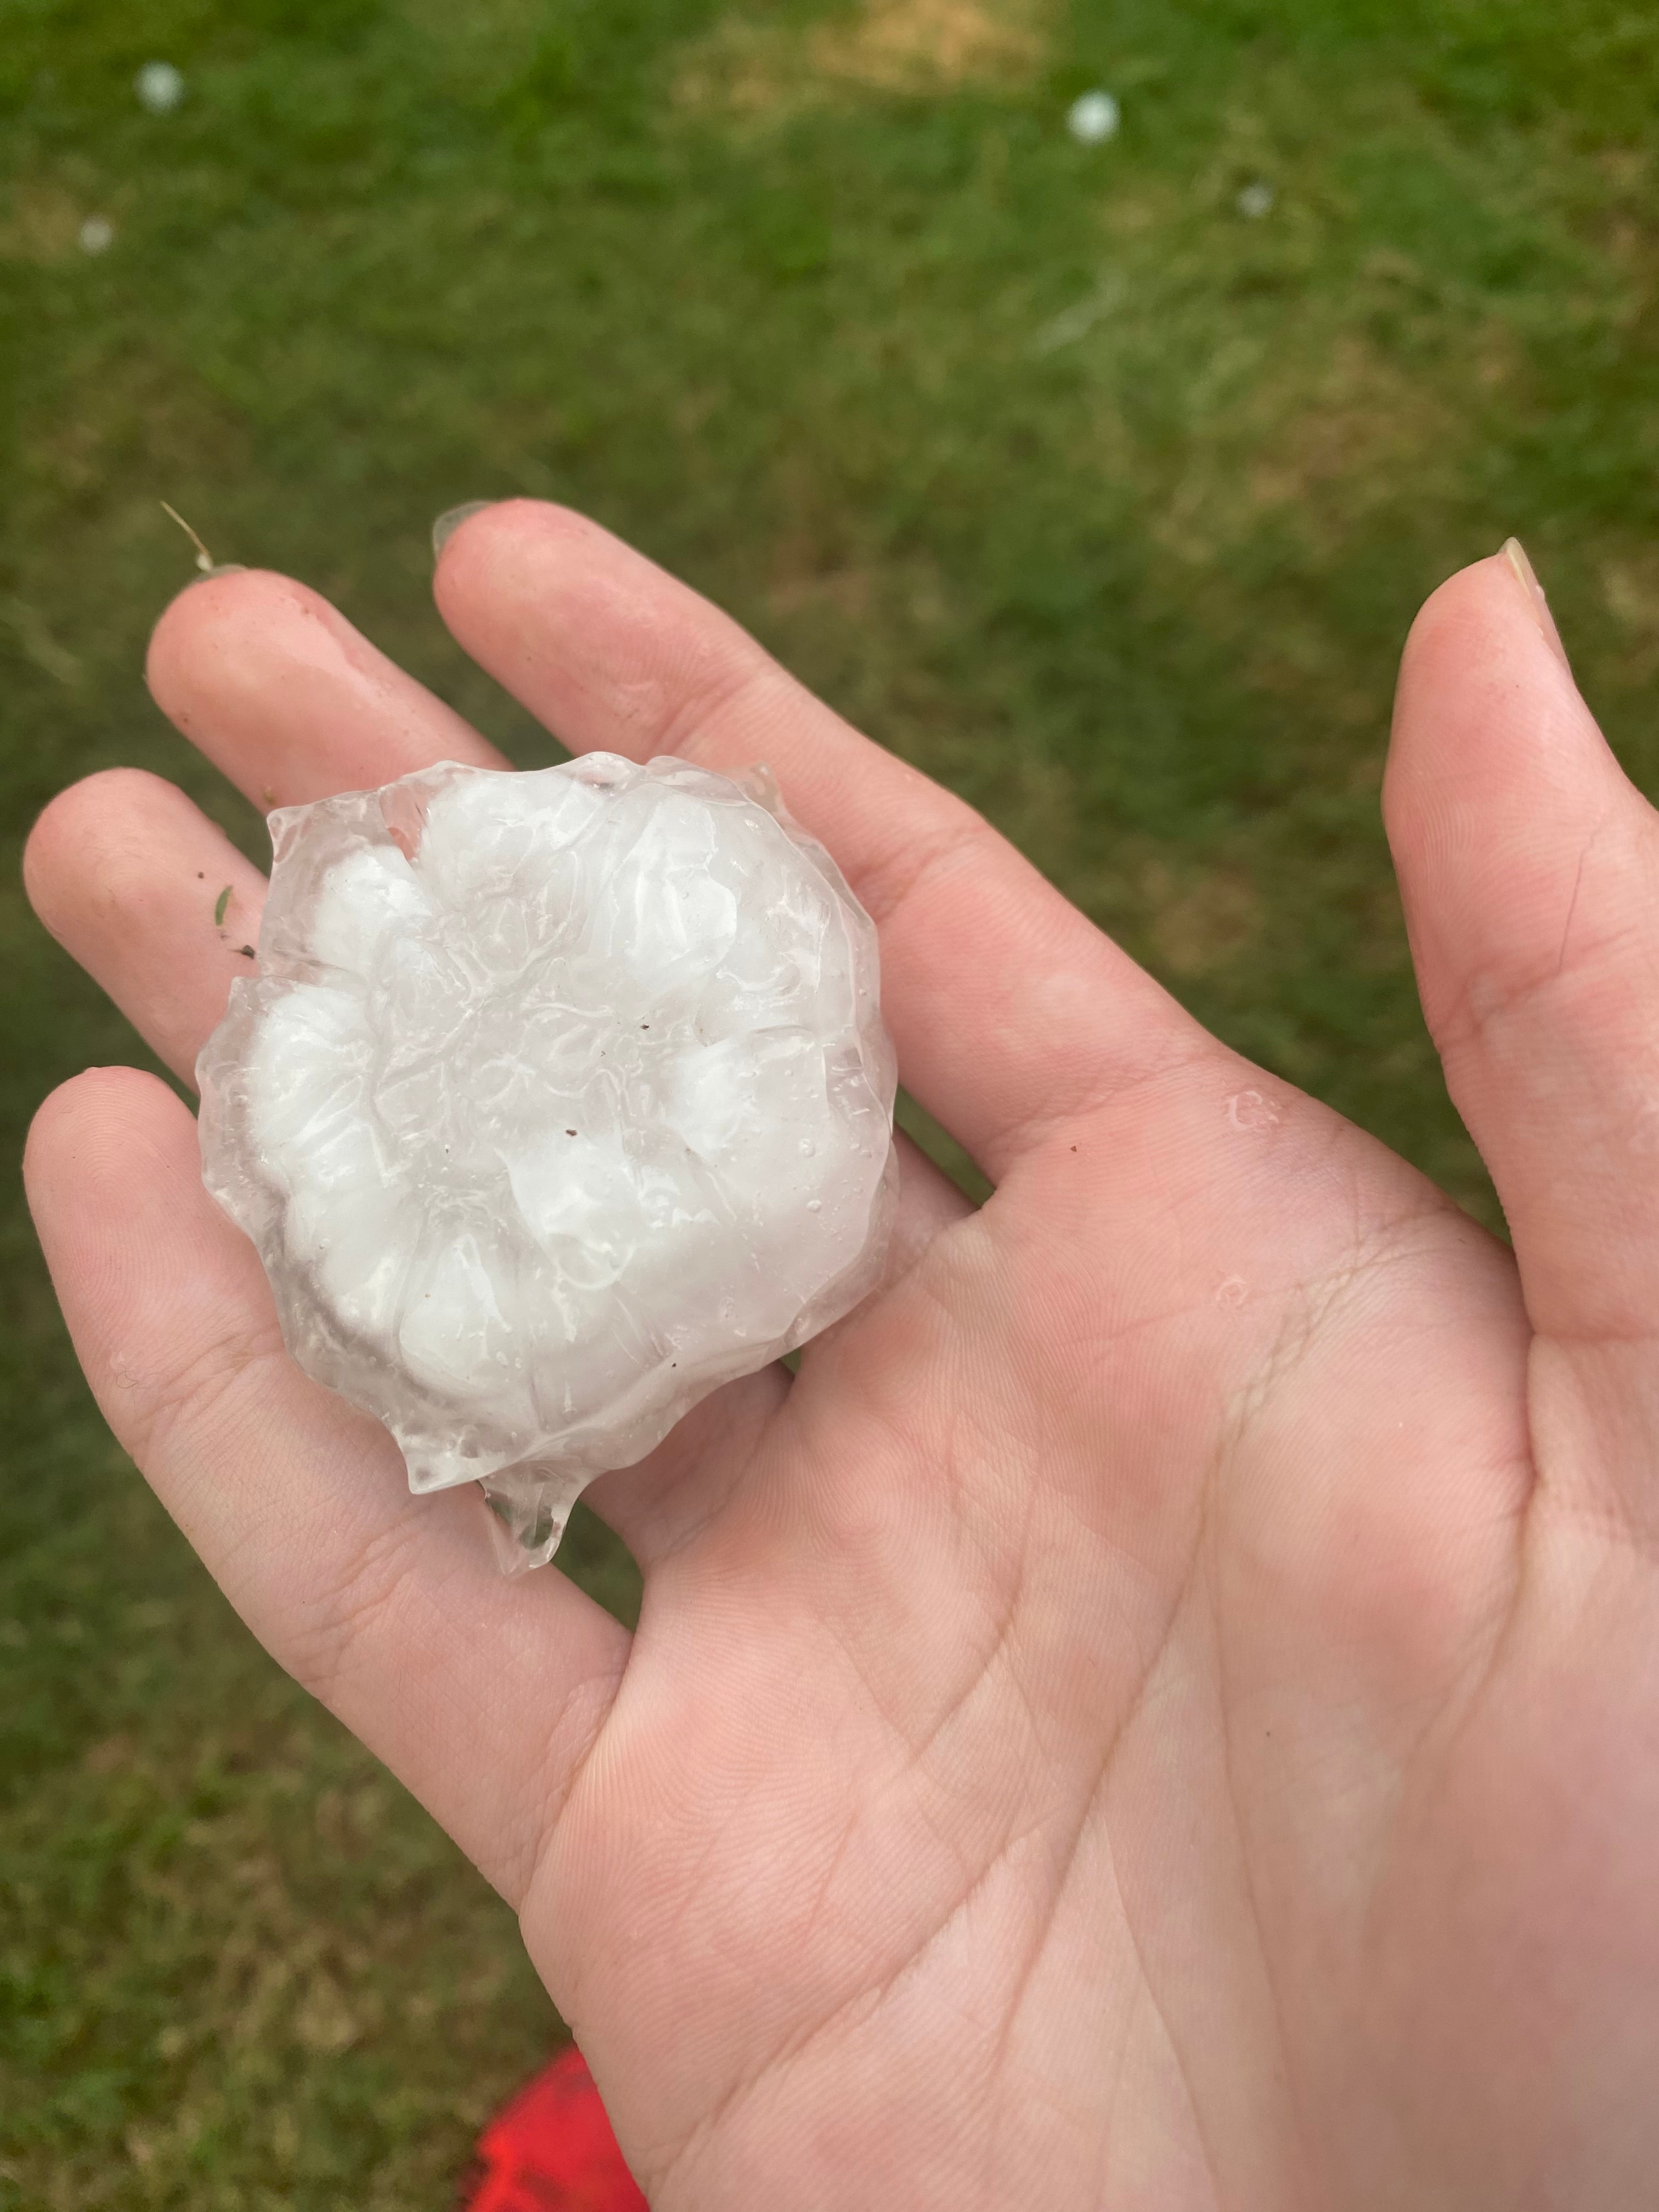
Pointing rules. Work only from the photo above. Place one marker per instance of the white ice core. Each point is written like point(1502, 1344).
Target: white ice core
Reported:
point(558, 1099)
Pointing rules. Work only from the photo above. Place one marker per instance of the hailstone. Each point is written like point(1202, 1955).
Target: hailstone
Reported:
point(557, 1099)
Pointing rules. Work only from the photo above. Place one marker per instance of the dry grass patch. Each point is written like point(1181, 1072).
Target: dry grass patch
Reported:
point(1323, 441)
point(748, 67)
point(931, 46)
point(41, 224)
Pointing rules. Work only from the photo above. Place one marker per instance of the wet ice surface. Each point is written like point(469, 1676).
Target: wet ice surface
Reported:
point(559, 1099)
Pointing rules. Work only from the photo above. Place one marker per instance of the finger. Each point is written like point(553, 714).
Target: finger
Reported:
point(1010, 1012)
point(481, 1695)
point(153, 899)
point(1529, 864)
point(280, 692)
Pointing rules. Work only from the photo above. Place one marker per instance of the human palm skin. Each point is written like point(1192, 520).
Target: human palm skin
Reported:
point(1163, 1711)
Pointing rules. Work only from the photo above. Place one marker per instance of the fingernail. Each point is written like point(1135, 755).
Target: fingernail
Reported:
point(451, 520)
point(1515, 554)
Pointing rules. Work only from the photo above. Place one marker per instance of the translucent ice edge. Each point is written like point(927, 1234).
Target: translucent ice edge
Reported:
point(558, 1099)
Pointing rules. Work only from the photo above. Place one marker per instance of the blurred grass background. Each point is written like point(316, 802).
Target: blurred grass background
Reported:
point(1089, 491)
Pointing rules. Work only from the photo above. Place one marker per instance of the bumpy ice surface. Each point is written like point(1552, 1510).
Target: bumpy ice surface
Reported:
point(557, 1100)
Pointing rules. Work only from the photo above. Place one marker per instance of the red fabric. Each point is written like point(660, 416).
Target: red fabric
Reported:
point(551, 2150)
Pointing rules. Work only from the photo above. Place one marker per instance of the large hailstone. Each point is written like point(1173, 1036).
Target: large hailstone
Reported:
point(558, 1099)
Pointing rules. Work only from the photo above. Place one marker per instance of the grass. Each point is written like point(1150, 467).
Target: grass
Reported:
point(1088, 493)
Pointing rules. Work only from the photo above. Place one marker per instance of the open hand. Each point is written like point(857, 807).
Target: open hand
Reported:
point(1163, 1711)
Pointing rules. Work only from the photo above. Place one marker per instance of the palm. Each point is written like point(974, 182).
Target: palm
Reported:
point(1163, 1710)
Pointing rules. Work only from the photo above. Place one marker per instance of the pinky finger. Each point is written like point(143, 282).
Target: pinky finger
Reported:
point(481, 1694)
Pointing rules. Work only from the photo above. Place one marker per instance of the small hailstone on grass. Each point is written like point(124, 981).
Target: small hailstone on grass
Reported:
point(558, 1100)
point(1093, 118)
point(96, 235)
point(1256, 199)
point(159, 88)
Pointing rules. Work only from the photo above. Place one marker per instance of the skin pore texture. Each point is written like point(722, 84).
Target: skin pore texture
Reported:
point(1163, 1711)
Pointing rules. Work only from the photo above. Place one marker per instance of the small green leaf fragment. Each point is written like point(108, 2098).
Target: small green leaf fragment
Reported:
point(219, 908)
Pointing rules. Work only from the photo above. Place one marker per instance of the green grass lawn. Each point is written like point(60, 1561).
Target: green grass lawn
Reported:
point(1091, 493)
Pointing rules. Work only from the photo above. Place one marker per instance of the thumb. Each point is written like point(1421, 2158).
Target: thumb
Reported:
point(1529, 864)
